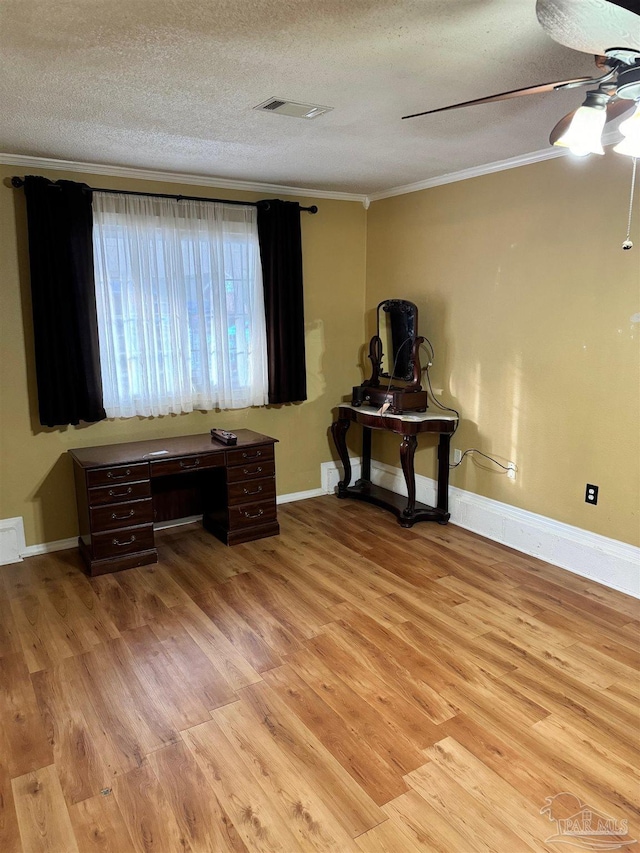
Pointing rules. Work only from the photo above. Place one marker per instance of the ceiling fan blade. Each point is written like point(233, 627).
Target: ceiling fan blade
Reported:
point(504, 96)
point(591, 26)
point(615, 109)
point(629, 5)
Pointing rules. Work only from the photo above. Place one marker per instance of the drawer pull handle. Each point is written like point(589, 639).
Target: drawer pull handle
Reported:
point(114, 494)
point(116, 517)
point(253, 491)
point(128, 542)
point(113, 476)
point(253, 514)
point(255, 455)
point(186, 465)
point(257, 470)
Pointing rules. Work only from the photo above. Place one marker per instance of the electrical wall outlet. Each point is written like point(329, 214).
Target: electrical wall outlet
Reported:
point(591, 494)
point(457, 455)
point(511, 471)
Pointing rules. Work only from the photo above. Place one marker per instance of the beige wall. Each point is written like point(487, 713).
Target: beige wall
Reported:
point(522, 287)
point(35, 470)
point(525, 291)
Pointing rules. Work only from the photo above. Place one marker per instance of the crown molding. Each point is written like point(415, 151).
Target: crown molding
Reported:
point(473, 172)
point(29, 162)
point(549, 153)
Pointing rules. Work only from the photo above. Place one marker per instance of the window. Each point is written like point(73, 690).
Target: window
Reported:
point(180, 305)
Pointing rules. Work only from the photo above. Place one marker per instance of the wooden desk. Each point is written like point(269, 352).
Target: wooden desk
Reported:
point(122, 489)
point(409, 426)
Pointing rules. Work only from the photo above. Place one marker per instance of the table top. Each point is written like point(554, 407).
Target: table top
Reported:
point(180, 445)
point(407, 417)
point(408, 423)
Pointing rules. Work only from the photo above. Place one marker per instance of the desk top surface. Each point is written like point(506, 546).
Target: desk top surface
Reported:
point(145, 451)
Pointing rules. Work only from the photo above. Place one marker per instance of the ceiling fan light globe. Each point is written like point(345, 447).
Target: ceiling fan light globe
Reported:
point(584, 134)
point(629, 146)
point(631, 127)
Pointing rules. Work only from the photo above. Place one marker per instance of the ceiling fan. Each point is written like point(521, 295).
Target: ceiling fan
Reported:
point(615, 92)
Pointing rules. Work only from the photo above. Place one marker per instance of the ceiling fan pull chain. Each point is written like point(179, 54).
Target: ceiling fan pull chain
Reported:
point(628, 244)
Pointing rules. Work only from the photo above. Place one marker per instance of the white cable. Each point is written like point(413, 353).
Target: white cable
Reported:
point(628, 244)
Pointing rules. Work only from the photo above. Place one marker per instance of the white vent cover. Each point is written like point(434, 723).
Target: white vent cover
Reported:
point(291, 108)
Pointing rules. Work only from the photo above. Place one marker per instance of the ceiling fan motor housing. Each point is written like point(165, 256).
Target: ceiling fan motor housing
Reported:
point(629, 83)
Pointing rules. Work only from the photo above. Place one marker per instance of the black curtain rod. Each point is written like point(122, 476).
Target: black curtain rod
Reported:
point(18, 182)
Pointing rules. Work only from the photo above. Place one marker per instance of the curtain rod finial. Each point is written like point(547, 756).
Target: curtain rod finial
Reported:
point(17, 182)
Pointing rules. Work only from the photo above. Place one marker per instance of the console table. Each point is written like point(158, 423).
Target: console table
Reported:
point(122, 489)
point(409, 426)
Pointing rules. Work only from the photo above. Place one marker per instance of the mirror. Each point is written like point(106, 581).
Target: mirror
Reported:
point(397, 330)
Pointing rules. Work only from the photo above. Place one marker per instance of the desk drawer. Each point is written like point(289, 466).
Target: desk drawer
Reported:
point(117, 474)
point(121, 542)
point(121, 492)
point(253, 471)
point(252, 514)
point(245, 455)
point(254, 490)
point(121, 515)
point(187, 463)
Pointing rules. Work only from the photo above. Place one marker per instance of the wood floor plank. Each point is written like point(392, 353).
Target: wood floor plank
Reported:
point(493, 792)
point(9, 829)
point(351, 805)
point(404, 666)
point(215, 645)
point(80, 769)
point(477, 822)
point(581, 749)
point(245, 640)
point(412, 721)
point(114, 601)
point(361, 719)
point(45, 826)
point(376, 776)
point(26, 746)
point(159, 580)
point(9, 636)
point(310, 821)
point(429, 829)
point(166, 688)
point(592, 722)
point(36, 636)
point(389, 837)
point(149, 818)
point(256, 819)
point(99, 827)
point(248, 605)
point(201, 818)
point(119, 705)
point(204, 680)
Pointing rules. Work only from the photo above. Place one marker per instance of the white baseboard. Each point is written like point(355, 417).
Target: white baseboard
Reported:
point(299, 496)
point(607, 561)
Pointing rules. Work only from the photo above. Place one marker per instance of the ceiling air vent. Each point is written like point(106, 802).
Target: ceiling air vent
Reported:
point(291, 108)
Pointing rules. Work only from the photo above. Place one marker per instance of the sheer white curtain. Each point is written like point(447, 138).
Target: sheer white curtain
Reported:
point(180, 305)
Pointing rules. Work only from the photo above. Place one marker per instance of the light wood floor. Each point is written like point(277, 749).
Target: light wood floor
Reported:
point(347, 686)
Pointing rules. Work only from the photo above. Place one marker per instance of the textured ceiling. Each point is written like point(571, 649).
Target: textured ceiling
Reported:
point(169, 85)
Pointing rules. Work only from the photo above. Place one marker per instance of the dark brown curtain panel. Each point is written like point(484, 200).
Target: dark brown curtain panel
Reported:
point(64, 304)
point(281, 255)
